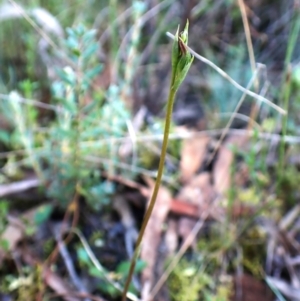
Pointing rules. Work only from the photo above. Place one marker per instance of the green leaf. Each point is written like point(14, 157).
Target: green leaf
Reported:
point(89, 52)
point(89, 36)
point(80, 30)
point(93, 72)
point(4, 245)
point(72, 43)
point(109, 289)
point(123, 267)
point(296, 76)
point(42, 214)
point(4, 137)
point(83, 256)
point(93, 271)
point(67, 75)
point(71, 32)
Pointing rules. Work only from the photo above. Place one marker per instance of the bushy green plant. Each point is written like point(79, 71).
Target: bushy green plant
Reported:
point(86, 118)
point(81, 124)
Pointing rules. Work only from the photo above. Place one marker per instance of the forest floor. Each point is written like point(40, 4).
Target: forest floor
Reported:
point(83, 90)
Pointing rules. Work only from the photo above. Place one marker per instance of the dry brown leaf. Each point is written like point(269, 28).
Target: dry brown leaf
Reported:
point(221, 169)
point(240, 210)
point(198, 191)
point(171, 236)
point(179, 207)
point(58, 285)
point(192, 156)
point(152, 236)
point(185, 227)
point(196, 197)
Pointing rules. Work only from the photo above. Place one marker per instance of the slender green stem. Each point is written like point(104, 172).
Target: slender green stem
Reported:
point(148, 213)
point(181, 62)
point(286, 98)
point(286, 88)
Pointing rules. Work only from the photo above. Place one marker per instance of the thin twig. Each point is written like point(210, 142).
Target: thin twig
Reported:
point(33, 102)
point(63, 250)
point(18, 187)
point(255, 107)
point(248, 37)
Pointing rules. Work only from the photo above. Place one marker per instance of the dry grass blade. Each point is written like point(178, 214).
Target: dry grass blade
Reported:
point(247, 34)
point(284, 288)
point(190, 135)
point(99, 267)
point(141, 22)
point(238, 106)
point(231, 80)
point(41, 32)
point(33, 24)
point(36, 103)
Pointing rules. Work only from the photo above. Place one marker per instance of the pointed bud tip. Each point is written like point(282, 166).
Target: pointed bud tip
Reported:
point(184, 33)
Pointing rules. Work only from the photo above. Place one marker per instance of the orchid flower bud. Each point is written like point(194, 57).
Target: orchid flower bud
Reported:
point(181, 58)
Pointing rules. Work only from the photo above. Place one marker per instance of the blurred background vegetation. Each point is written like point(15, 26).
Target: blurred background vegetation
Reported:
point(81, 84)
